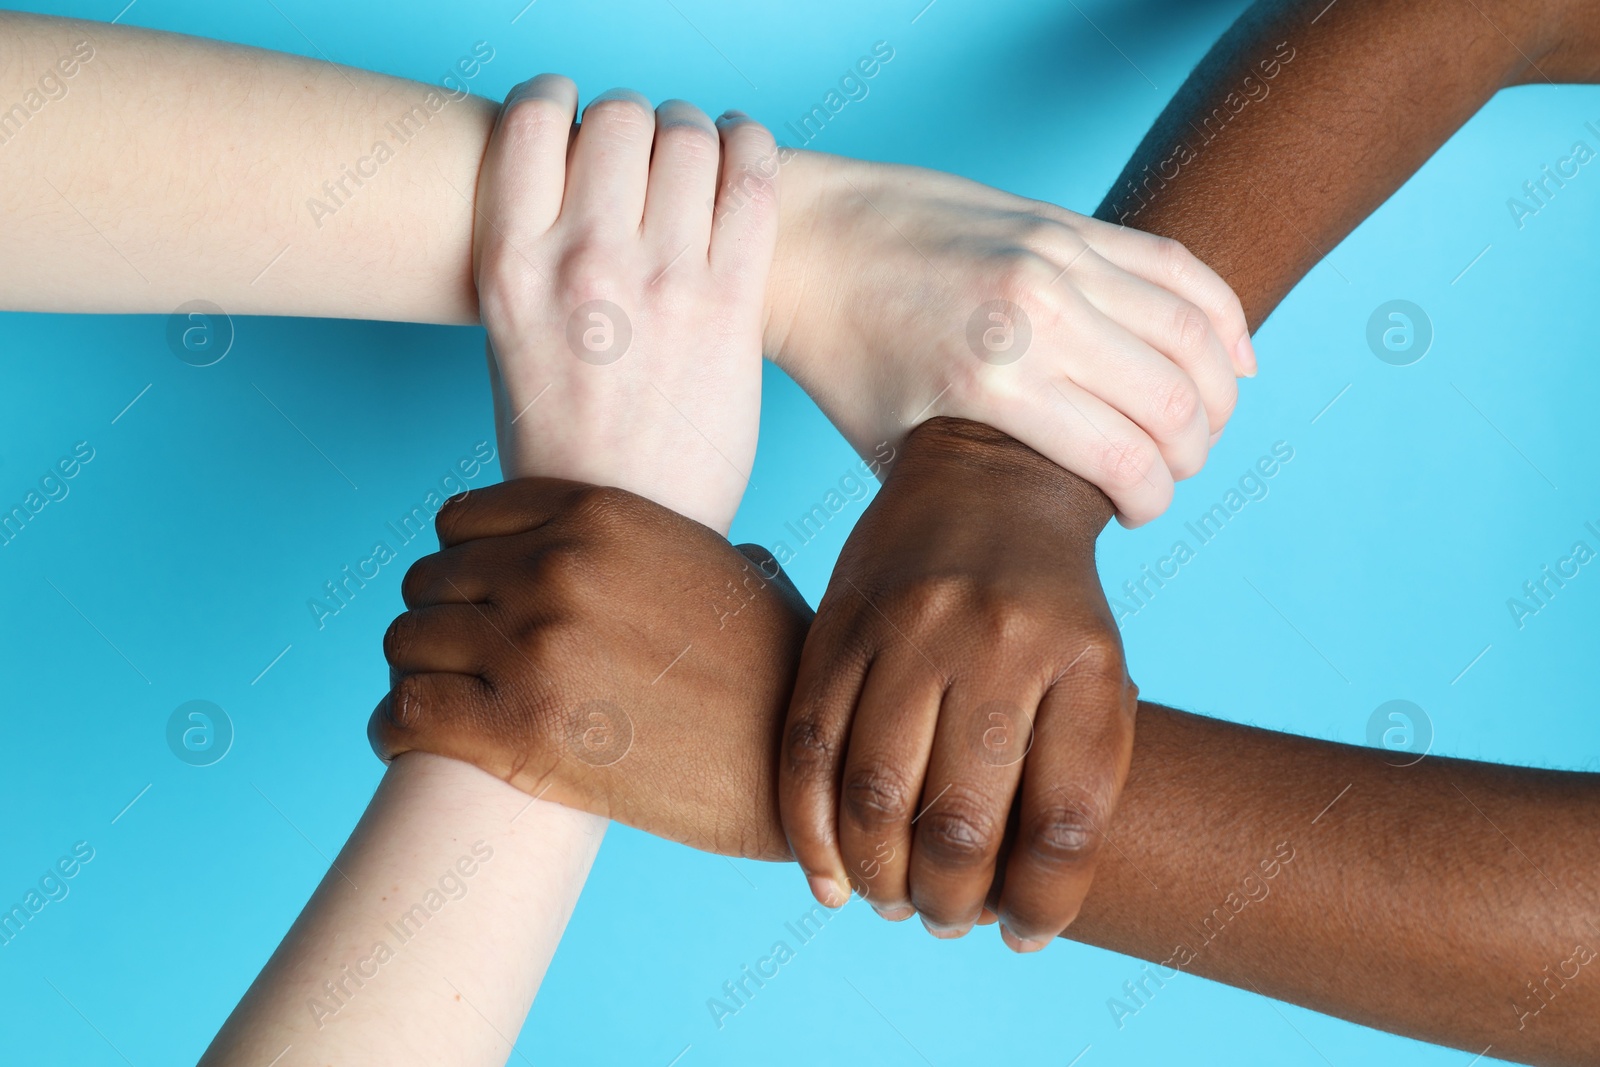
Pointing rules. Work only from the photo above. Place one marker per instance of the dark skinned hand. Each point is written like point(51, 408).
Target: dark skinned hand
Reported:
point(543, 645)
point(962, 688)
point(604, 652)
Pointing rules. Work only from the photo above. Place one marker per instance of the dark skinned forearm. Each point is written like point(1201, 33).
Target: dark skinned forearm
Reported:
point(1450, 901)
point(1306, 116)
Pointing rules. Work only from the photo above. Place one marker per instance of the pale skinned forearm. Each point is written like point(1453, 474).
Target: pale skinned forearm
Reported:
point(177, 168)
point(455, 979)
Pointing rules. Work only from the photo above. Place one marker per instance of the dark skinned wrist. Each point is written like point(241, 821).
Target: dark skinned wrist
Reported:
point(1038, 484)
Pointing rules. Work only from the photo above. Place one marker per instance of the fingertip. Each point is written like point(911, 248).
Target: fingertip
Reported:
point(1019, 945)
point(1244, 357)
point(829, 892)
point(378, 726)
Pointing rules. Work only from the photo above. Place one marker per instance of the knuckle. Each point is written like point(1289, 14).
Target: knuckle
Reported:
point(534, 119)
point(1176, 263)
point(1100, 661)
point(846, 629)
point(1023, 278)
point(753, 137)
point(1064, 834)
point(1177, 405)
point(408, 703)
point(958, 833)
point(626, 116)
point(453, 517)
point(505, 277)
point(1003, 620)
point(1187, 464)
point(689, 142)
point(876, 797)
point(1048, 235)
point(604, 509)
point(589, 270)
point(1191, 332)
point(398, 637)
point(1122, 466)
point(934, 597)
point(418, 580)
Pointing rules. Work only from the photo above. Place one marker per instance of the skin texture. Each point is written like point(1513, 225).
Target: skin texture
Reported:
point(962, 662)
point(1373, 88)
point(594, 290)
point(505, 874)
point(1420, 899)
point(256, 184)
point(459, 996)
point(1279, 863)
point(607, 718)
point(897, 274)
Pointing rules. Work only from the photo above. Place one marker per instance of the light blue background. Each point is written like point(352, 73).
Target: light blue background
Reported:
point(1381, 561)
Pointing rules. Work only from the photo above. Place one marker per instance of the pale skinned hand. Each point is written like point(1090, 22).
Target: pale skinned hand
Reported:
point(624, 327)
point(963, 671)
point(901, 294)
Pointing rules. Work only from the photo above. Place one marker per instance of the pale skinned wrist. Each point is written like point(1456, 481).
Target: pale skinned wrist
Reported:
point(806, 177)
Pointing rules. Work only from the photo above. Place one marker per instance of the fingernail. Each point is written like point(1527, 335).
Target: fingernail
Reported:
point(1245, 353)
point(987, 917)
point(827, 891)
point(944, 933)
point(731, 116)
point(897, 914)
point(1020, 945)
